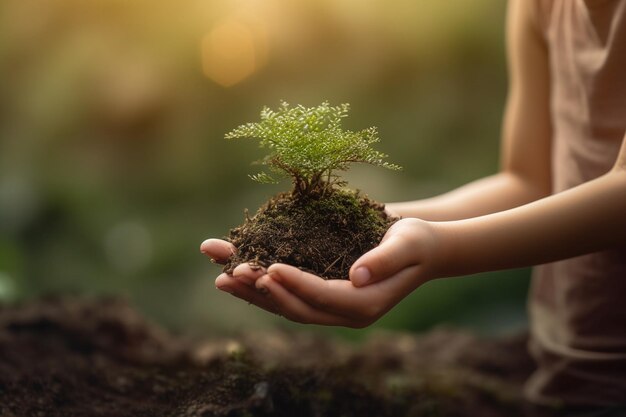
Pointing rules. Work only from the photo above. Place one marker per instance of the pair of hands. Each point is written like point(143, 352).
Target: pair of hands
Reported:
point(378, 280)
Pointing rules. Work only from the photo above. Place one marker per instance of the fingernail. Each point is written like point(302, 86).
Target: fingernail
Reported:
point(361, 276)
point(226, 289)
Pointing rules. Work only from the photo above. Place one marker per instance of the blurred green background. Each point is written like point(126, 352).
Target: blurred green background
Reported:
point(113, 166)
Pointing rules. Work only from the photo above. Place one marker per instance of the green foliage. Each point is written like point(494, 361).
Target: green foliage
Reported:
point(309, 145)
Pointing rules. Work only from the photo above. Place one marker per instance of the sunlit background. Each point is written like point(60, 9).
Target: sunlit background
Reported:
point(113, 166)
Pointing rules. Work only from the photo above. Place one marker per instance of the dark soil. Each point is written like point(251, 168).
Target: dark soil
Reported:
point(322, 234)
point(77, 357)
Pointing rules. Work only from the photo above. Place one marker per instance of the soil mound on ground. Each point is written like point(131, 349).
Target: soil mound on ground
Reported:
point(323, 234)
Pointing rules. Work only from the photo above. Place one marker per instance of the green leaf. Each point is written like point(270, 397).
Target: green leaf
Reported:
point(309, 144)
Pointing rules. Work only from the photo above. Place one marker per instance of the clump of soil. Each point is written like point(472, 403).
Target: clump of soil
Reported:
point(322, 233)
point(99, 357)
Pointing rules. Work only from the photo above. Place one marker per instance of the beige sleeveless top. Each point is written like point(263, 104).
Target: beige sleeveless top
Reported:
point(578, 306)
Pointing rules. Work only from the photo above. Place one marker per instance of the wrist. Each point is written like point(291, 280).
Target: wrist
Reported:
point(431, 245)
point(443, 257)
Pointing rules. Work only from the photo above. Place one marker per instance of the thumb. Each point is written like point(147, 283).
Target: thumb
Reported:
point(392, 255)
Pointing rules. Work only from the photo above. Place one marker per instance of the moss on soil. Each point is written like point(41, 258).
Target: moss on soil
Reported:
point(320, 233)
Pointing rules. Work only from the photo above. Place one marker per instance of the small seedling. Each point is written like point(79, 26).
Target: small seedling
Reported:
point(309, 145)
point(319, 226)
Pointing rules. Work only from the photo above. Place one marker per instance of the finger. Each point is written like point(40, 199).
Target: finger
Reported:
point(358, 305)
point(380, 297)
point(399, 285)
point(340, 297)
point(248, 293)
point(248, 273)
point(218, 250)
point(393, 254)
point(334, 296)
point(294, 309)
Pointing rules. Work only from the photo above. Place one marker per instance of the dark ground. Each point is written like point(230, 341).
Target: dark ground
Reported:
point(99, 357)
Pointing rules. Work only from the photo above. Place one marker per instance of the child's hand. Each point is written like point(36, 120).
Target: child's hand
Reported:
point(379, 280)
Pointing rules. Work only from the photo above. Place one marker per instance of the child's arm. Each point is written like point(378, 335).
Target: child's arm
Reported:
point(584, 219)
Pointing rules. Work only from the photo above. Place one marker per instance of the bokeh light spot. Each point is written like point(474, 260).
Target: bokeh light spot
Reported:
point(229, 55)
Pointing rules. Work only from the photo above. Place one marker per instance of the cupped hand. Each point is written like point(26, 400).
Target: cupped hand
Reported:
point(378, 280)
point(306, 298)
